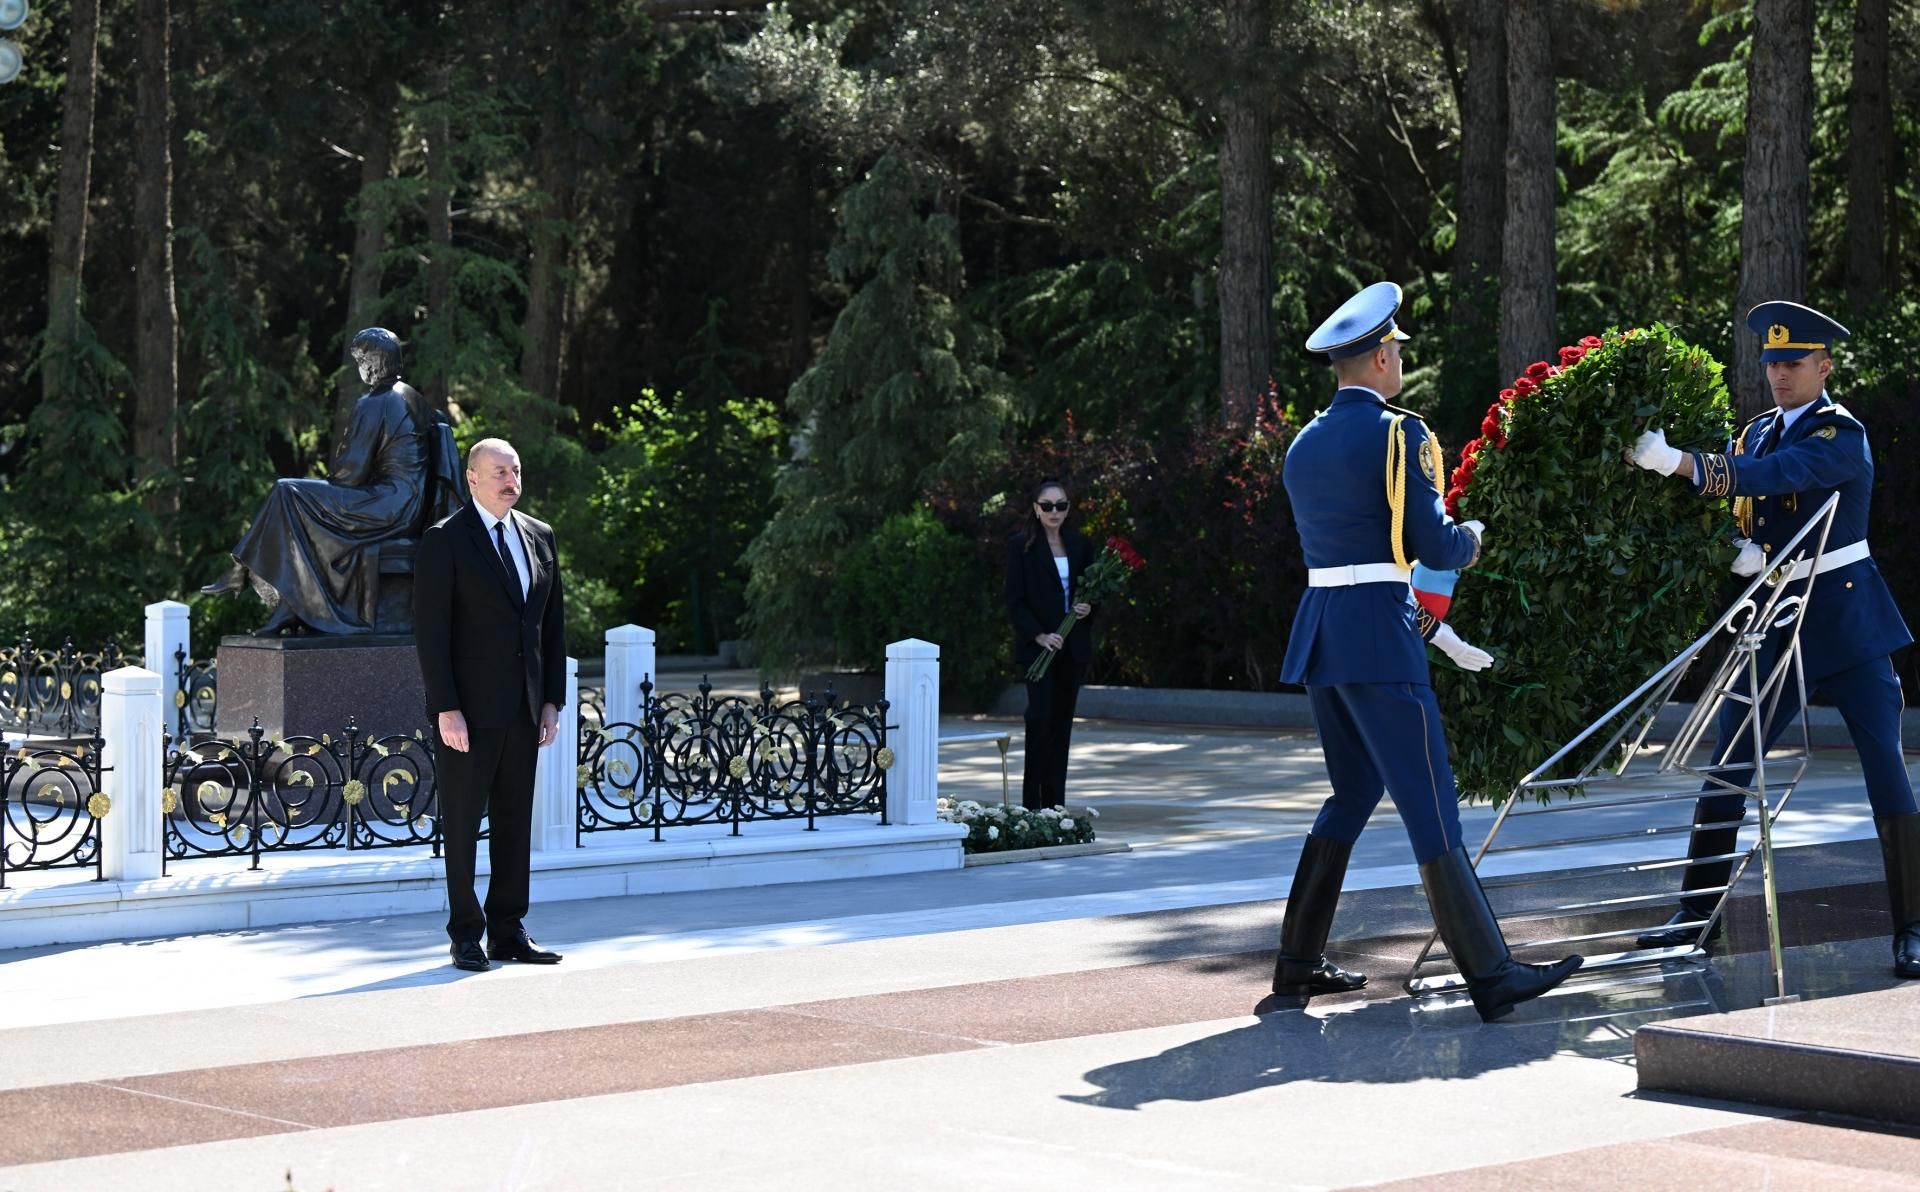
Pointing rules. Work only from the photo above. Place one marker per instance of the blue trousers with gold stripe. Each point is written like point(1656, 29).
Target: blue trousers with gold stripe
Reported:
point(1385, 738)
point(1866, 696)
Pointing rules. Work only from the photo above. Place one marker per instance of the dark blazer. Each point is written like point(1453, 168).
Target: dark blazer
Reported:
point(1035, 604)
point(482, 651)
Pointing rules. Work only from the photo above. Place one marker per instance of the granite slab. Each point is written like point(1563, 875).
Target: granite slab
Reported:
point(1857, 1054)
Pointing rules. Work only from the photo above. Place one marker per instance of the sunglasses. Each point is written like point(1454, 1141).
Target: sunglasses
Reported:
point(1053, 506)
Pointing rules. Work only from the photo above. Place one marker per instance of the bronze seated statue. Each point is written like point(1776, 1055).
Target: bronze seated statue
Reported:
point(336, 555)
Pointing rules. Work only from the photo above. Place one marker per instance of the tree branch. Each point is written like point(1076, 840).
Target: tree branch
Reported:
point(999, 212)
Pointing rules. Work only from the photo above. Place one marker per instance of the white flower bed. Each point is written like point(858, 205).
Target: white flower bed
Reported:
point(992, 828)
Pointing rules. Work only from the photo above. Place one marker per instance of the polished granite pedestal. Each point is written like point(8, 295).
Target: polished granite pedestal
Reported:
point(310, 685)
point(1856, 1054)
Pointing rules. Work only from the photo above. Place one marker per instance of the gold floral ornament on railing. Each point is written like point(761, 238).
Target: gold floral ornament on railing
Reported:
point(169, 801)
point(884, 758)
point(737, 765)
point(98, 806)
point(354, 791)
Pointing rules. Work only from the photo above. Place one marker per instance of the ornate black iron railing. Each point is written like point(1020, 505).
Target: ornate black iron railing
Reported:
point(695, 759)
point(196, 696)
point(51, 808)
point(54, 692)
point(243, 798)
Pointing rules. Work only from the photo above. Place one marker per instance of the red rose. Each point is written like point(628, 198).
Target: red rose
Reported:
point(1507, 396)
point(1523, 387)
point(1453, 500)
point(1471, 449)
point(1538, 370)
point(1499, 439)
point(1589, 341)
point(1571, 356)
point(1472, 462)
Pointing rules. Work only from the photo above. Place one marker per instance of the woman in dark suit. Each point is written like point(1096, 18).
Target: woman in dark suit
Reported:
point(1045, 561)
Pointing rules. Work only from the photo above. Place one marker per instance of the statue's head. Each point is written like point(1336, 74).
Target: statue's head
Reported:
point(377, 353)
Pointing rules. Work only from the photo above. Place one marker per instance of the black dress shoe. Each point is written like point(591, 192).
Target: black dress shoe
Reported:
point(520, 946)
point(1906, 952)
point(467, 955)
point(233, 581)
point(1681, 931)
point(1298, 978)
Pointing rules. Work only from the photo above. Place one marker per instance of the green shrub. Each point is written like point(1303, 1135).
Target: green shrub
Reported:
point(913, 577)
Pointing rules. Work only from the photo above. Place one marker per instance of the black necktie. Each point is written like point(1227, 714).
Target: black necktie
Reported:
point(506, 556)
point(1771, 439)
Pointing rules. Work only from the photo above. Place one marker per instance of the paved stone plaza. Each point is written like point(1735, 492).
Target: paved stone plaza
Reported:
point(1098, 1021)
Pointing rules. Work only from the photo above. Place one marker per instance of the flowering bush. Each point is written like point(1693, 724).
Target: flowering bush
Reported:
point(1595, 573)
point(993, 828)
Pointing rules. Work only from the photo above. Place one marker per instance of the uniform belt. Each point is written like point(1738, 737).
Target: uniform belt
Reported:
point(1357, 573)
point(1832, 560)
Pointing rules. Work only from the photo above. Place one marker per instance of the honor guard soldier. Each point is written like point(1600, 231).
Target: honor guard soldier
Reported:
point(1780, 470)
point(1364, 478)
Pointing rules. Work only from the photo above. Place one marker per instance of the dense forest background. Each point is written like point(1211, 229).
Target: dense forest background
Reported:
point(786, 307)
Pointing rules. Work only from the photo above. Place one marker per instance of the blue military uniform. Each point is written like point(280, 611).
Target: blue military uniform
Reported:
point(1780, 470)
point(1364, 479)
point(1358, 647)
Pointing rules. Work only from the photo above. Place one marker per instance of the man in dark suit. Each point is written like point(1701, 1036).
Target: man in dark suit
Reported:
point(489, 619)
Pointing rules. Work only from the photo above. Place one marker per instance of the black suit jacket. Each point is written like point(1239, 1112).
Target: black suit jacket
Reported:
point(482, 652)
point(1035, 604)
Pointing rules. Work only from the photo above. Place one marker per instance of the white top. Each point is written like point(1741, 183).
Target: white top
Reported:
point(515, 547)
point(1066, 583)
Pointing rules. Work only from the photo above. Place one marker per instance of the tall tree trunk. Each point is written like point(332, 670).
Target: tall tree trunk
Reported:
point(440, 239)
point(799, 279)
point(1479, 218)
point(1773, 214)
point(1246, 218)
point(67, 261)
point(157, 338)
point(1527, 268)
point(544, 336)
point(364, 273)
point(1869, 157)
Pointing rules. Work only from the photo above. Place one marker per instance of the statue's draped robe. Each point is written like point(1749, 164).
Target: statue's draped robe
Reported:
point(315, 542)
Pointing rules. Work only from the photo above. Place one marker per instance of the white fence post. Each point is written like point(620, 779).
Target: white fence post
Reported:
point(169, 632)
point(913, 703)
point(556, 780)
point(630, 658)
point(133, 715)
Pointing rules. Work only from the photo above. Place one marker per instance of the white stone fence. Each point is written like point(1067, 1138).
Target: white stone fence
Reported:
point(139, 706)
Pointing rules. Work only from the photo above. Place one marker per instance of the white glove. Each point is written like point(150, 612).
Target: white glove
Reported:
point(1751, 560)
point(1466, 657)
point(1651, 452)
point(1479, 531)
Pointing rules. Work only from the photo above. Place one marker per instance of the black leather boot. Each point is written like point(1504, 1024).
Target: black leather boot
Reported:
point(1495, 979)
point(1683, 930)
point(1900, 851)
point(1302, 968)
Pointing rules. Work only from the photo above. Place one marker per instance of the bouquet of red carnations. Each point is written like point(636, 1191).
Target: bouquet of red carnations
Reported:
point(1106, 577)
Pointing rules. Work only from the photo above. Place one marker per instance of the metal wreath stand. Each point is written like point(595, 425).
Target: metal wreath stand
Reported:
point(1610, 779)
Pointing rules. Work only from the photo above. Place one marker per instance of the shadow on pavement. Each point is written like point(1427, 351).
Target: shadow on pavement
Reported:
point(1402, 1040)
